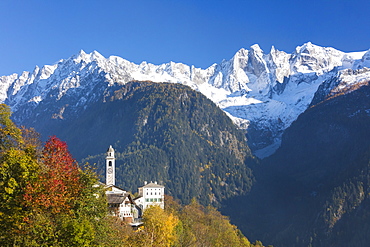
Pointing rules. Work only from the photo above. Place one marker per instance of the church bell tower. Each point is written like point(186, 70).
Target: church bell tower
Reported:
point(110, 167)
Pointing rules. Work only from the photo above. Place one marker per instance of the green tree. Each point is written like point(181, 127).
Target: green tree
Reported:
point(18, 167)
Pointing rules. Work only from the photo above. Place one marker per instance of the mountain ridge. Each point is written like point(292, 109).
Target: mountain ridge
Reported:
point(262, 93)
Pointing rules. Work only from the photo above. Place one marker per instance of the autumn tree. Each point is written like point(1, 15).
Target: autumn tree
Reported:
point(46, 199)
point(18, 168)
point(65, 199)
point(159, 228)
point(58, 185)
point(203, 226)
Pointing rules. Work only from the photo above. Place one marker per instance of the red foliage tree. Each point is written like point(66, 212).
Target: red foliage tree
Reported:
point(59, 184)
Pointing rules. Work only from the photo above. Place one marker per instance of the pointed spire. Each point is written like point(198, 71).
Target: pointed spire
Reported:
point(110, 149)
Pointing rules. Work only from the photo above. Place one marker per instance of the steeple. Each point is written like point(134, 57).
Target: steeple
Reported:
point(110, 167)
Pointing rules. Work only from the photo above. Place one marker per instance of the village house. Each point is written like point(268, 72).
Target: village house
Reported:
point(121, 203)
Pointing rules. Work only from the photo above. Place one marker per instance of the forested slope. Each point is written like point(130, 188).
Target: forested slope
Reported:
point(160, 131)
point(315, 189)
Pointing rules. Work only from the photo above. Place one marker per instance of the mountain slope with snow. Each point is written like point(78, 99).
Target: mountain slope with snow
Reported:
point(262, 93)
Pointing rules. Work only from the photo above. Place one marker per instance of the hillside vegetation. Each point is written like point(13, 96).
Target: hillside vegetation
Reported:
point(191, 225)
point(46, 199)
point(160, 131)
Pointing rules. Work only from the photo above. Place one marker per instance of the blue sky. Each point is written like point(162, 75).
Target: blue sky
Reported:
point(194, 32)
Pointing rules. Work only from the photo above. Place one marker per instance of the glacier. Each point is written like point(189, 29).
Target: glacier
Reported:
point(263, 93)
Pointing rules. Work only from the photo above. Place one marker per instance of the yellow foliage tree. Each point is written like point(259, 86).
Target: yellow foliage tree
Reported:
point(205, 226)
point(159, 227)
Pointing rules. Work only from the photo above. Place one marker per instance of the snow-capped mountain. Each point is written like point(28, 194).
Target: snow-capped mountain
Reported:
point(262, 92)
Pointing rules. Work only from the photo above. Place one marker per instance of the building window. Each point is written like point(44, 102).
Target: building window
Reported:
point(110, 163)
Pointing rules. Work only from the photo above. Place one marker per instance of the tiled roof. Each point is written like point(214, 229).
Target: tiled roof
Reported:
point(116, 198)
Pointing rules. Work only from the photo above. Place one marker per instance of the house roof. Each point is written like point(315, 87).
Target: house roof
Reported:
point(119, 198)
point(116, 198)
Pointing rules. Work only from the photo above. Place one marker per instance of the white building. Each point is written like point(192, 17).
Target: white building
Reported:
point(150, 194)
point(120, 202)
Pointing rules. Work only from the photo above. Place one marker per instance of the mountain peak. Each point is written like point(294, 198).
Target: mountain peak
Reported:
point(242, 52)
point(306, 48)
point(87, 57)
point(96, 55)
point(256, 48)
point(81, 53)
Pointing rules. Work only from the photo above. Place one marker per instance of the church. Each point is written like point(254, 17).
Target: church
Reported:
point(121, 203)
